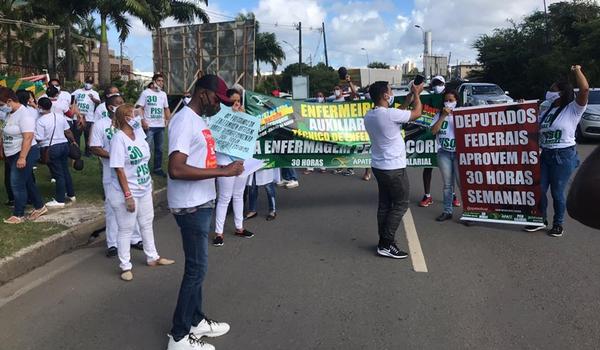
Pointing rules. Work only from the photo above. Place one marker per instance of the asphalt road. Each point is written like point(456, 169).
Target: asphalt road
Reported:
point(311, 280)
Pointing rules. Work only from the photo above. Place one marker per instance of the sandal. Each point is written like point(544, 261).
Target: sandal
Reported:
point(250, 215)
point(367, 177)
point(271, 216)
point(161, 262)
point(37, 213)
point(15, 220)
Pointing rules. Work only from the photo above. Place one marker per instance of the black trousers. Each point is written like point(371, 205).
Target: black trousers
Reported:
point(393, 202)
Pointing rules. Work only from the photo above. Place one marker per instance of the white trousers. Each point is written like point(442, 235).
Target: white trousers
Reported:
point(230, 188)
point(126, 221)
point(112, 229)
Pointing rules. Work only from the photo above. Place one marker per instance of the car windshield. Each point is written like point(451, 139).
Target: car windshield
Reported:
point(594, 98)
point(487, 90)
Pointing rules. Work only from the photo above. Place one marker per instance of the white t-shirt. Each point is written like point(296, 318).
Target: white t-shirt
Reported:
point(445, 137)
point(154, 104)
point(387, 144)
point(45, 126)
point(561, 133)
point(85, 104)
point(189, 134)
point(17, 123)
point(34, 112)
point(60, 107)
point(132, 156)
point(100, 112)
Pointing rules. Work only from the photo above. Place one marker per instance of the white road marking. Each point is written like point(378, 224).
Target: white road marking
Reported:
point(414, 246)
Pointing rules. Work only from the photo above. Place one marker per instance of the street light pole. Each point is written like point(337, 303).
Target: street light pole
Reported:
point(368, 63)
point(424, 47)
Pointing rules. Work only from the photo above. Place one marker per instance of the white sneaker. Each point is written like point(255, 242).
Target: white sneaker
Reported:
point(189, 342)
point(210, 328)
point(282, 183)
point(54, 204)
point(71, 199)
point(292, 184)
point(52, 180)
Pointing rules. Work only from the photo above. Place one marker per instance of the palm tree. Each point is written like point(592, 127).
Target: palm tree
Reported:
point(88, 28)
point(267, 48)
point(11, 9)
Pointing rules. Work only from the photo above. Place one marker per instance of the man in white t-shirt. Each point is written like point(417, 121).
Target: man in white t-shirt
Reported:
point(388, 160)
point(157, 114)
point(86, 99)
point(101, 110)
point(191, 196)
point(102, 133)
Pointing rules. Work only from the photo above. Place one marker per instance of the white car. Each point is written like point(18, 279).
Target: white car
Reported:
point(589, 126)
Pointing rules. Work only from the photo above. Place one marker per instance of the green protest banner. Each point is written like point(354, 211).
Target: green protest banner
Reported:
point(299, 134)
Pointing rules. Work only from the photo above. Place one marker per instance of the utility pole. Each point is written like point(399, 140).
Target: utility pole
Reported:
point(325, 45)
point(546, 20)
point(300, 45)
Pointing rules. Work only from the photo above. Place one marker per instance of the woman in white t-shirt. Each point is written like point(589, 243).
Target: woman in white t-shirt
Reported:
point(442, 126)
point(130, 193)
point(21, 152)
point(53, 131)
point(557, 139)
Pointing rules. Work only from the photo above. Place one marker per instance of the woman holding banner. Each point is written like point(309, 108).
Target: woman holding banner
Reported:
point(442, 126)
point(557, 139)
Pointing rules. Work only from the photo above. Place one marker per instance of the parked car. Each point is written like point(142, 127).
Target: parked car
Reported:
point(589, 126)
point(476, 94)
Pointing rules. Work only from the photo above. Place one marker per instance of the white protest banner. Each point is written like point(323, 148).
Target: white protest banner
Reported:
point(235, 133)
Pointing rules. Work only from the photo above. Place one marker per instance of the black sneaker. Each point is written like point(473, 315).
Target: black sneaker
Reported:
point(110, 252)
point(444, 217)
point(218, 241)
point(535, 228)
point(391, 251)
point(245, 233)
point(139, 245)
point(556, 231)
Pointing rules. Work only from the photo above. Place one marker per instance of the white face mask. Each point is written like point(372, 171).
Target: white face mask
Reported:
point(113, 108)
point(88, 86)
point(5, 108)
point(57, 87)
point(111, 95)
point(320, 99)
point(552, 96)
point(391, 100)
point(337, 92)
point(438, 89)
point(135, 122)
point(450, 105)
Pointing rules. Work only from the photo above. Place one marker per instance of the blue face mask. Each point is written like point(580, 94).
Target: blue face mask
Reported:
point(5, 108)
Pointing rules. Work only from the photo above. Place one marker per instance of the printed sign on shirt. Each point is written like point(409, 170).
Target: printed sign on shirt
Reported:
point(235, 133)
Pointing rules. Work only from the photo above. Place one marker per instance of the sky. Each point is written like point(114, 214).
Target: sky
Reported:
point(385, 29)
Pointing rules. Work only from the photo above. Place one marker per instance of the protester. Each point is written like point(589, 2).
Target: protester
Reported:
point(338, 96)
point(442, 126)
point(21, 152)
point(131, 192)
point(191, 195)
point(388, 160)
point(230, 189)
point(53, 131)
point(63, 95)
point(58, 105)
point(27, 99)
point(289, 178)
point(101, 110)
point(157, 115)
point(102, 133)
point(559, 157)
point(266, 178)
point(87, 99)
point(10, 198)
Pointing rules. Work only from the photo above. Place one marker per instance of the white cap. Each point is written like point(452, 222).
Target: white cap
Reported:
point(440, 78)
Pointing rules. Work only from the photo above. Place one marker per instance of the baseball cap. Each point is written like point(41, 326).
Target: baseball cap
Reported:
point(215, 84)
point(440, 78)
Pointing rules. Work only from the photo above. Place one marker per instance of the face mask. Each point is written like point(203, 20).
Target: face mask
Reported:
point(113, 108)
point(57, 87)
point(391, 100)
point(186, 100)
point(438, 89)
point(337, 93)
point(6, 109)
point(552, 96)
point(450, 105)
point(135, 122)
point(88, 86)
point(115, 94)
point(320, 99)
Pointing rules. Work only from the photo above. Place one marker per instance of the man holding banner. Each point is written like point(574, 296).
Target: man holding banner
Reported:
point(388, 160)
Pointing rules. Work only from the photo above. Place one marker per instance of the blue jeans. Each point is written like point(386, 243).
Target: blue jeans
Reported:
point(59, 167)
point(289, 174)
point(155, 136)
point(448, 164)
point(557, 167)
point(194, 236)
point(22, 183)
point(253, 196)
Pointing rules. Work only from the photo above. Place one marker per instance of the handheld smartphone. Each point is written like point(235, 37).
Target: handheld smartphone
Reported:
point(419, 79)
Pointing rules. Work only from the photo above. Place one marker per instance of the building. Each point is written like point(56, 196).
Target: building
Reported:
point(408, 67)
point(462, 70)
point(435, 65)
point(120, 67)
point(365, 76)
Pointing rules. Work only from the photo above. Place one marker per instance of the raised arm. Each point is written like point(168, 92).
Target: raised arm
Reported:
point(417, 110)
point(582, 84)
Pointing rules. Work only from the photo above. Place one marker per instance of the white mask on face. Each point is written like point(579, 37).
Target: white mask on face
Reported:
point(438, 89)
point(57, 87)
point(450, 105)
point(391, 100)
point(113, 108)
point(552, 96)
point(111, 95)
point(88, 86)
point(320, 99)
point(5, 109)
point(337, 92)
point(135, 122)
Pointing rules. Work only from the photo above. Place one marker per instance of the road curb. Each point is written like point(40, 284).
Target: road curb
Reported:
point(52, 247)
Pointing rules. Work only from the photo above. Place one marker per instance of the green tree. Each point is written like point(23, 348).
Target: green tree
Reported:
point(380, 65)
point(527, 57)
point(320, 77)
point(15, 10)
